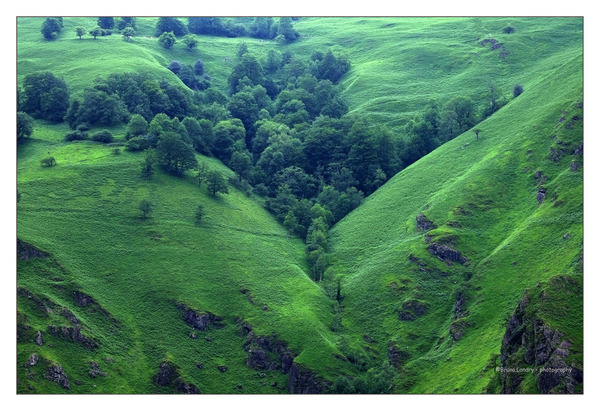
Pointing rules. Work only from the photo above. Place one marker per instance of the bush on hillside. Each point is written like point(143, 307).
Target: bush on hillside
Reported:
point(103, 136)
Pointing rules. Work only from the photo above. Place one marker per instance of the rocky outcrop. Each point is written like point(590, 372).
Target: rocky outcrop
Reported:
point(182, 387)
point(73, 334)
point(43, 305)
point(26, 251)
point(303, 381)
point(96, 371)
point(446, 253)
point(56, 373)
point(396, 356)
point(168, 376)
point(424, 224)
point(167, 373)
point(266, 352)
point(411, 310)
point(200, 320)
point(532, 345)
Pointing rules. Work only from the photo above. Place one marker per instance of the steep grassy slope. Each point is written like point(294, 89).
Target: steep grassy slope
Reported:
point(483, 197)
point(239, 265)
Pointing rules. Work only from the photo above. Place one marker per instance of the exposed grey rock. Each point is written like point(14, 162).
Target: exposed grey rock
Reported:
point(166, 374)
point(303, 381)
point(182, 387)
point(267, 353)
point(95, 370)
point(73, 334)
point(39, 339)
point(26, 251)
point(396, 356)
point(424, 224)
point(82, 299)
point(222, 368)
point(32, 360)
point(541, 195)
point(198, 320)
point(56, 373)
point(446, 253)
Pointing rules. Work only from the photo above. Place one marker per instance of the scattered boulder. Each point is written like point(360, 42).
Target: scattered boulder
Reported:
point(56, 374)
point(266, 352)
point(396, 356)
point(405, 316)
point(222, 368)
point(182, 387)
point(39, 339)
point(446, 253)
point(200, 321)
point(82, 299)
point(73, 334)
point(26, 251)
point(95, 370)
point(424, 224)
point(541, 195)
point(32, 360)
point(304, 381)
point(167, 373)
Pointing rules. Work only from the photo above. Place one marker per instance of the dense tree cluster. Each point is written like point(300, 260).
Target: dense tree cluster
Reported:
point(283, 128)
point(44, 96)
point(51, 27)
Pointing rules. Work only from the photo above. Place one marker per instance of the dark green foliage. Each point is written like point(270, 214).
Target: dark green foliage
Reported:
point(287, 30)
point(215, 183)
point(80, 31)
point(199, 67)
point(242, 49)
point(241, 162)
point(226, 133)
point(517, 90)
point(128, 33)
point(174, 66)
point(508, 29)
point(124, 22)
point(24, 125)
point(137, 126)
point(76, 135)
point(242, 105)
point(170, 25)
point(147, 168)
point(44, 96)
point(167, 39)
point(103, 136)
point(247, 67)
point(330, 67)
point(145, 207)
point(48, 161)
point(137, 143)
point(263, 28)
point(206, 25)
point(51, 27)
point(106, 22)
point(290, 222)
point(98, 107)
point(174, 155)
point(199, 214)
point(95, 32)
point(190, 41)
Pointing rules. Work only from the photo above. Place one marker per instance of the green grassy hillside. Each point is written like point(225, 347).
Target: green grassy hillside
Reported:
point(482, 196)
point(114, 289)
point(239, 265)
